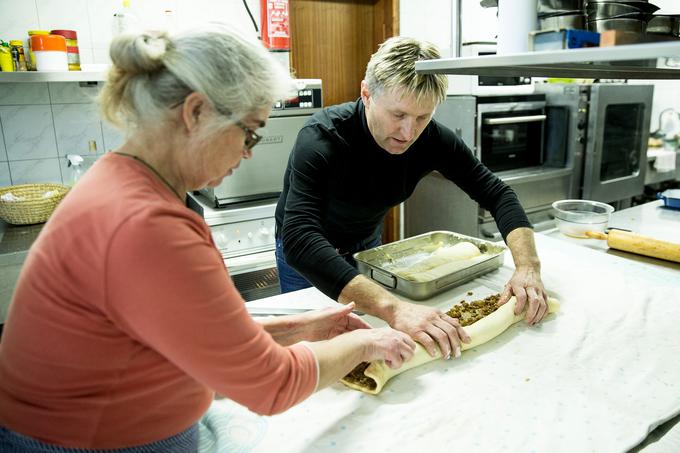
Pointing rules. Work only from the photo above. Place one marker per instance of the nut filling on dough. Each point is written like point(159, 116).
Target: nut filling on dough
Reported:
point(466, 313)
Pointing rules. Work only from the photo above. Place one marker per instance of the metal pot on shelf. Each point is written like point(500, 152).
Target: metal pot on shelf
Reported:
point(545, 7)
point(566, 19)
point(664, 24)
point(629, 16)
point(619, 23)
point(611, 10)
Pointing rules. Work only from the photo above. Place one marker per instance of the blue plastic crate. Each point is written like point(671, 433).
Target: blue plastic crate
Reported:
point(670, 197)
point(563, 39)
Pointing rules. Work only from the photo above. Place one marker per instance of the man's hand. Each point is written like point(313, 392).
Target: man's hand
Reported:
point(525, 284)
point(430, 327)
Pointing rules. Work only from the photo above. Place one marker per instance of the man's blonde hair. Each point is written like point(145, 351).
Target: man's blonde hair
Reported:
point(394, 66)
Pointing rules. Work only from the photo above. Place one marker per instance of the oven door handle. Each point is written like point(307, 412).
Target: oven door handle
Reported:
point(515, 119)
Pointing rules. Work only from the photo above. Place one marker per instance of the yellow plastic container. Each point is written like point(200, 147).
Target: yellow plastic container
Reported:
point(19, 44)
point(6, 63)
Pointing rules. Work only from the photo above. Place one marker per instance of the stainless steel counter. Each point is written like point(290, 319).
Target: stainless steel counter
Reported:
point(14, 244)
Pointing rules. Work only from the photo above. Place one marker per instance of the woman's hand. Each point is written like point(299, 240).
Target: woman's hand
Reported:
point(390, 345)
point(328, 323)
point(314, 325)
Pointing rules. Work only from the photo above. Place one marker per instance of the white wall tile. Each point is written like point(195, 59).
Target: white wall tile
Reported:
point(100, 55)
point(17, 18)
point(191, 13)
point(24, 93)
point(417, 21)
point(5, 179)
point(100, 16)
point(35, 170)
point(75, 126)
point(86, 55)
point(478, 24)
point(3, 151)
point(151, 14)
point(66, 15)
point(73, 92)
point(666, 95)
point(67, 172)
point(113, 138)
point(667, 6)
point(28, 131)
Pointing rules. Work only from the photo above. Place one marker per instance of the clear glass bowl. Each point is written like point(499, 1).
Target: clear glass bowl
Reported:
point(575, 217)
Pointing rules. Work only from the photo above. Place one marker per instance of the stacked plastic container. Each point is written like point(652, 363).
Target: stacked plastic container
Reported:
point(49, 52)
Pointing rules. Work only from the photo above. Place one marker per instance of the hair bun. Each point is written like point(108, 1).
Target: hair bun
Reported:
point(140, 53)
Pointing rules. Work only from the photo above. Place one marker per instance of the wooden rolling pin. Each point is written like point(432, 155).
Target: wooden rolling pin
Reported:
point(642, 245)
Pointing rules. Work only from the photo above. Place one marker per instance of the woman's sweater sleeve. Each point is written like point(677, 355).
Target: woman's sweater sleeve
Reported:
point(168, 288)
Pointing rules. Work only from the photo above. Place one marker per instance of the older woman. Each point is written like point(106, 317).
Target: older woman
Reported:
point(124, 320)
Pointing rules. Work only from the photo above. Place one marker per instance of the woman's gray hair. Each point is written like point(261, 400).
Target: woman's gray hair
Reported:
point(394, 66)
point(153, 72)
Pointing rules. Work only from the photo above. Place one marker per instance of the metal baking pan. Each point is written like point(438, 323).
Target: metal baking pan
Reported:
point(380, 262)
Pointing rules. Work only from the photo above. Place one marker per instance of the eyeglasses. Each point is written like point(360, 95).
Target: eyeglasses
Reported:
point(252, 137)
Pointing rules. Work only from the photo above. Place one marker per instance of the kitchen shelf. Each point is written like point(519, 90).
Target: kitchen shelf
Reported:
point(633, 61)
point(91, 73)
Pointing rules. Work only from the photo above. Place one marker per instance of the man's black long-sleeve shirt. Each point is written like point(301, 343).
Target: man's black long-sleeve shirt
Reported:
point(339, 184)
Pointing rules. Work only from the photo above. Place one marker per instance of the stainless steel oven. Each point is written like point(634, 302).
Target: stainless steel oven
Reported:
point(261, 177)
point(514, 125)
point(603, 129)
point(510, 131)
point(240, 211)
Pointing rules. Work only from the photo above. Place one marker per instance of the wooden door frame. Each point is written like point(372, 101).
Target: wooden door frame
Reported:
point(308, 62)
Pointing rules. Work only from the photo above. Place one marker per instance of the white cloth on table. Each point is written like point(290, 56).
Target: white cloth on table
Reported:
point(229, 428)
point(598, 376)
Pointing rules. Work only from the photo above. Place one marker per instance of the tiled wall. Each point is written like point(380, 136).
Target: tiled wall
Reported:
point(93, 19)
point(40, 123)
point(43, 122)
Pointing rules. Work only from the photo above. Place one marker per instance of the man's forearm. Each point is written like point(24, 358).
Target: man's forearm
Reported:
point(523, 248)
point(369, 298)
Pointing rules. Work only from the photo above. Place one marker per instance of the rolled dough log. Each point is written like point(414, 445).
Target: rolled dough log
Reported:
point(443, 261)
point(480, 332)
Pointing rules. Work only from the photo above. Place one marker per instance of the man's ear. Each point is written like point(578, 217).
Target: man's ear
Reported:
point(365, 94)
point(194, 106)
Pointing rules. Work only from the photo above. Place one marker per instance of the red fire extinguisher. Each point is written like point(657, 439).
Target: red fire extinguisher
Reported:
point(274, 24)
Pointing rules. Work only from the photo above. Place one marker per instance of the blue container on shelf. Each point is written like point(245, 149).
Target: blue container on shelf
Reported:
point(670, 197)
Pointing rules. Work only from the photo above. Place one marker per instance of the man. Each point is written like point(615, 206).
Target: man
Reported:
point(352, 162)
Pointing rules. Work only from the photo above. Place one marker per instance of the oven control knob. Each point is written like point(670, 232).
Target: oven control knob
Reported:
point(250, 234)
point(581, 125)
point(581, 139)
point(264, 231)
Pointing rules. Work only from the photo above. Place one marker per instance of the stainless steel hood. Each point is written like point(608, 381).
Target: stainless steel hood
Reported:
point(618, 62)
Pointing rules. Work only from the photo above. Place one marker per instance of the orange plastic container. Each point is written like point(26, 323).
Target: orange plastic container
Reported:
point(49, 52)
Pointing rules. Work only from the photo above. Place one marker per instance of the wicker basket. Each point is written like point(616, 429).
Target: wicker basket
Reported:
point(33, 206)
